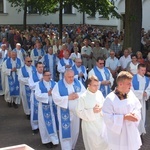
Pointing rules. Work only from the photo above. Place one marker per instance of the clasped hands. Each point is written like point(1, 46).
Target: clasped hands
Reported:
point(97, 108)
point(73, 96)
point(131, 117)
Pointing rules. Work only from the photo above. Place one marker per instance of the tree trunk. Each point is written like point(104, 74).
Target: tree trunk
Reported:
point(25, 15)
point(60, 19)
point(133, 24)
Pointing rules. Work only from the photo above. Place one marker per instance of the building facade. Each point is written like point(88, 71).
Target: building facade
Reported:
point(9, 15)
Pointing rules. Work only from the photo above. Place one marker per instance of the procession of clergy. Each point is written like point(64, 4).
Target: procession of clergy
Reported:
point(111, 119)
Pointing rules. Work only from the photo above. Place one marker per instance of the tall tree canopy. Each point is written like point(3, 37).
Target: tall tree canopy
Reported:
point(103, 7)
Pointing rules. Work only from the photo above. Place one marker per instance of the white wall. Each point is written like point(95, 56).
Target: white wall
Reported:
point(11, 16)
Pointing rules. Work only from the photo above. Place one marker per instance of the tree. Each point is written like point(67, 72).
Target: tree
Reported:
point(103, 7)
point(43, 6)
point(133, 24)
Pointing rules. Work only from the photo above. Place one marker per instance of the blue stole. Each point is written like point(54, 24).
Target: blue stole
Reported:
point(46, 108)
point(35, 78)
point(36, 54)
point(63, 64)
point(35, 107)
point(65, 114)
point(5, 57)
point(76, 72)
point(100, 78)
point(47, 67)
point(135, 82)
point(13, 84)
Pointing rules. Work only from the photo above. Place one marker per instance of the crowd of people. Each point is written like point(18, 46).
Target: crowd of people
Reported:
point(85, 75)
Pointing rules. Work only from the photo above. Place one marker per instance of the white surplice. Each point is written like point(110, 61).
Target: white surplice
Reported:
point(44, 98)
point(63, 102)
point(122, 134)
point(61, 69)
point(24, 81)
point(2, 77)
point(6, 73)
point(93, 127)
point(32, 85)
point(139, 95)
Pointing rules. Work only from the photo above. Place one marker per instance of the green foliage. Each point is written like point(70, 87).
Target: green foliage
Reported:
point(103, 7)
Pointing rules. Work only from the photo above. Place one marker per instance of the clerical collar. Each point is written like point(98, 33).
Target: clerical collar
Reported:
point(120, 95)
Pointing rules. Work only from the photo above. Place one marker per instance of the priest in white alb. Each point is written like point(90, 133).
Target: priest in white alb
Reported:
point(89, 110)
point(65, 95)
point(46, 114)
point(141, 88)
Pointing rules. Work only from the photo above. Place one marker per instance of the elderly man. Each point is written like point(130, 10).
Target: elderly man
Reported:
point(86, 53)
point(113, 64)
point(121, 113)
point(65, 95)
point(37, 53)
point(124, 60)
point(25, 72)
point(21, 53)
point(50, 62)
point(12, 89)
point(46, 116)
point(79, 71)
point(4, 51)
point(104, 76)
point(64, 63)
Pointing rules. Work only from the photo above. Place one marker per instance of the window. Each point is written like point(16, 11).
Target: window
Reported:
point(68, 9)
point(1, 6)
point(32, 10)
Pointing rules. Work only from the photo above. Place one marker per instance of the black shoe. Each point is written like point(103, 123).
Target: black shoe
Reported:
point(28, 117)
point(48, 145)
point(9, 104)
point(36, 131)
point(142, 139)
point(15, 105)
point(52, 145)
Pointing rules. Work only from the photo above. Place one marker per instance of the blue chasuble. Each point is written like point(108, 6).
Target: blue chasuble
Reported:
point(26, 75)
point(13, 83)
point(46, 108)
point(47, 67)
point(76, 72)
point(135, 82)
point(100, 78)
point(65, 114)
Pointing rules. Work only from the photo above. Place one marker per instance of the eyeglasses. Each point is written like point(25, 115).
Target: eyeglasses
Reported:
point(101, 63)
point(29, 61)
point(47, 75)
